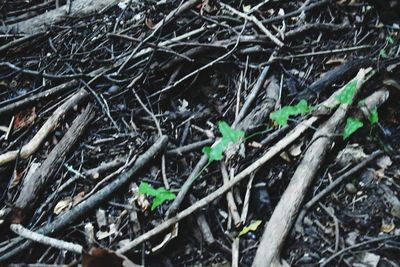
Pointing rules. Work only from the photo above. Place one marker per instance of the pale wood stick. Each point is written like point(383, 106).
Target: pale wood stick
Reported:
point(271, 152)
point(52, 242)
point(284, 215)
point(49, 126)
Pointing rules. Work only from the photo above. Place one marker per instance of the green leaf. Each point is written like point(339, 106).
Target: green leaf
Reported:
point(229, 135)
point(216, 152)
point(346, 96)
point(160, 195)
point(373, 116)
point(252, 227)
point(389, 39)
point(145, 188)
point(281, 116)
point(382, 53)
point(352, 125)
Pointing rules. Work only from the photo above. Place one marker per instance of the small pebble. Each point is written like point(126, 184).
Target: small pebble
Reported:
point(350, 188)
point(114, 89)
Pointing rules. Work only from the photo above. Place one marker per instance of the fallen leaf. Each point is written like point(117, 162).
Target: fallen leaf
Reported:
point(63, 205)
point(149, 23)
point(100, 257)
point(78, 198)
point(24, 118)
point(252, 227)
point(351, 154)
point(387, 228)
point(246, 8)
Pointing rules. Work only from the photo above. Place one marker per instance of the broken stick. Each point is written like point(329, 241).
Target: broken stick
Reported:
point(282, 219)
point(49, 126)
point(35, 183)
point(17, 245)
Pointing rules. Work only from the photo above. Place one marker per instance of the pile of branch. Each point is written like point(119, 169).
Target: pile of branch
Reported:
point(102, 96)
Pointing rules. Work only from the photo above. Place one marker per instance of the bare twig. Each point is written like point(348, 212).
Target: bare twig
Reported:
point(253, 19)
point(32, 186)
point(50, 125)
point(52, 242)
point(280, 223)
point(229, 197)
point(16, 246)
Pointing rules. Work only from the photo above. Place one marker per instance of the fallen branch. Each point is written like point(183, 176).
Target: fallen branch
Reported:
point(339, 73)
point(174, 207)
point(18, 245)
point(280, 223)
point(332, 186)
point(253, 19)
point(373, 101)
point(42, 21)
point(50, 125)
point(31, 188)
point(57, 90)
point(52, 242)
point(331, 102)
point(374, 240)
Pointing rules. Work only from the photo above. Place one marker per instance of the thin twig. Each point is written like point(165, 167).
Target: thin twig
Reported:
point(52, 242)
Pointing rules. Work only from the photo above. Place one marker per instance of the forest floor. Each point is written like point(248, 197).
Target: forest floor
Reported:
point(200, 133)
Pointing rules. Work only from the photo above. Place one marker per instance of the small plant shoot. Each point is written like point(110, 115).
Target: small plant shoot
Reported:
point(382, 53)
point(252, 227)
point(282, 115)
point(160, 195)
point(229, 135)
point(347, 95)
point(352, 125)
point(389, 40)
point(373, 116)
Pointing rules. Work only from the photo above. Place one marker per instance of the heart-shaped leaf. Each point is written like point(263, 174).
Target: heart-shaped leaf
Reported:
point(281, 116)
point(352, 125)
point(347, 95)
point(160, 195)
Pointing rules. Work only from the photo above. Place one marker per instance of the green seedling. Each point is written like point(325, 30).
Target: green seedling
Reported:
point(160, 195)
point(389, 40)
point(229, 135)
point(373, 116)
point(252, 227)
point(282, 115)
point(352, 125)
point(382, 53)
point(347, 95)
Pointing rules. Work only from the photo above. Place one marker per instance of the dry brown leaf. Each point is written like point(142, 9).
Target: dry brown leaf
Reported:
point(384, 162)
point(387, 228)
point(149, 23)
point(24, 118)
point(63, 205)
point(78, 198)
point(99, 257)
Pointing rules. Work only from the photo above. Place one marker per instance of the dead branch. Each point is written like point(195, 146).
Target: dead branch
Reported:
point(39, 238)
point(18, 245)
point(50, 125)
point(331, 102)
point(31, 188)
point(41, 22)
point(57, 90)
point(280, 223)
